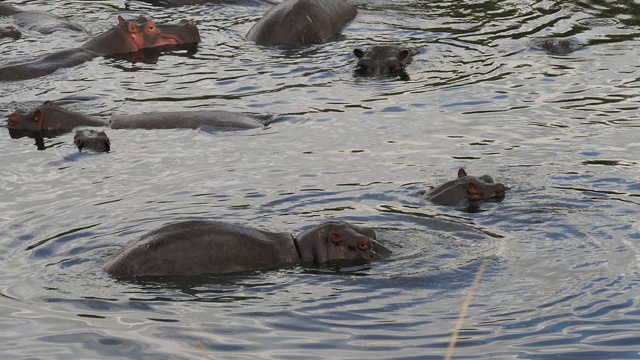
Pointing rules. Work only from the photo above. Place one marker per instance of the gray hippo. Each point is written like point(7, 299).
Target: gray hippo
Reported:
point(211, 247)
point(129, 36)
point(557, 46)
point(39, 21)
point(217, 119)
point(48, 117)
point(382, 59)
point(10, 32)
point(466, 187)
point(97, 141)
point(302, 22)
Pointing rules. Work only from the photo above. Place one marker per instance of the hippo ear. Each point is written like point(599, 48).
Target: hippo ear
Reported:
point(358, 53)
point(403, 54)
point(131, 28)
point(38, 118)
point(335, 237)
point(48, 103)
point(120, 19)
point(462, 173)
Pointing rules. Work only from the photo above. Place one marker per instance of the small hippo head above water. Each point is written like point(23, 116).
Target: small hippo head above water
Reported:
point(558, 46)
point(383, 59)
point(50, 117)
point(97, 141)
point(467, 187)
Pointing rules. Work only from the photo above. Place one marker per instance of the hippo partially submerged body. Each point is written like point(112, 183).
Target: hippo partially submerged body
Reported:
point(382, 59)
point(557, 46)
point(302, 22)
point(211, 247)
point(466, 187)
point(129, 36)
point(49, 117)
point(39, 21)
point(93, 140)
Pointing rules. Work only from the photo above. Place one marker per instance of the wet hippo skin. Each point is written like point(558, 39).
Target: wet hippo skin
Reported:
point(558, 46)
point(126, 37)
point(302, 22)
point(382, 59)
point(220, 120)
point(39, 21)
point(97, 141)
point(212, 247)
point(10, 32)
point(466, 187)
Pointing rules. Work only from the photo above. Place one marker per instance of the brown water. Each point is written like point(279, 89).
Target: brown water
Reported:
point(562, 131)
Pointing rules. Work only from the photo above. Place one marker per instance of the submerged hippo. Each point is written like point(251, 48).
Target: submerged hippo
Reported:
point(211, 247)
point(466, 187)
point(10, 32)
point(383, 59)
point(217, 119)
point(97, 141)
point(48, 117)
point(127, 37)
point(39, 21)
point(558, 46)
point(302, 22)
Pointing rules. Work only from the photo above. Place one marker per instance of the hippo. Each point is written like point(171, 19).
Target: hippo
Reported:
point(382, 59)
point(197, 247)
point(558, 46)
point(48, 117)
point(467, 187)
point(97, 141)
point(10, 32)
point(39, 21)
point(127, 37)
point(302, 22)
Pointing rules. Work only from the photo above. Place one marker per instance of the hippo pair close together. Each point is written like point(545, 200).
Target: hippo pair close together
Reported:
point(211, 247)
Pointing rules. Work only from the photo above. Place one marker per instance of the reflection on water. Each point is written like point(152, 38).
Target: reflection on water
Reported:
point(559, 130)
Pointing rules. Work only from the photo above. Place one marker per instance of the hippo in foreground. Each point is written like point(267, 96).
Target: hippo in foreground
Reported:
point(97, 141)
point(302, 22)
point(129, 36)
point(39, 21)
point(466, 187)
point(49, 117)
point(382, 59)
point(211, 247)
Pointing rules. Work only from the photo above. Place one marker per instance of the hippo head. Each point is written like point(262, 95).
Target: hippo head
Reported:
point(338, 242)
point(142, 33)
point(467, 187)
point(97, 141)
point(382, 59)
point(33, 120)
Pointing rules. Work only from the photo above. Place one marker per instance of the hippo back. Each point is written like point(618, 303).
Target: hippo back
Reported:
point(302, 22)
point(220, 120)
point(202, 247)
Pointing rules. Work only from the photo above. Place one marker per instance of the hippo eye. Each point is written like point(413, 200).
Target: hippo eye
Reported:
point(363, 244)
